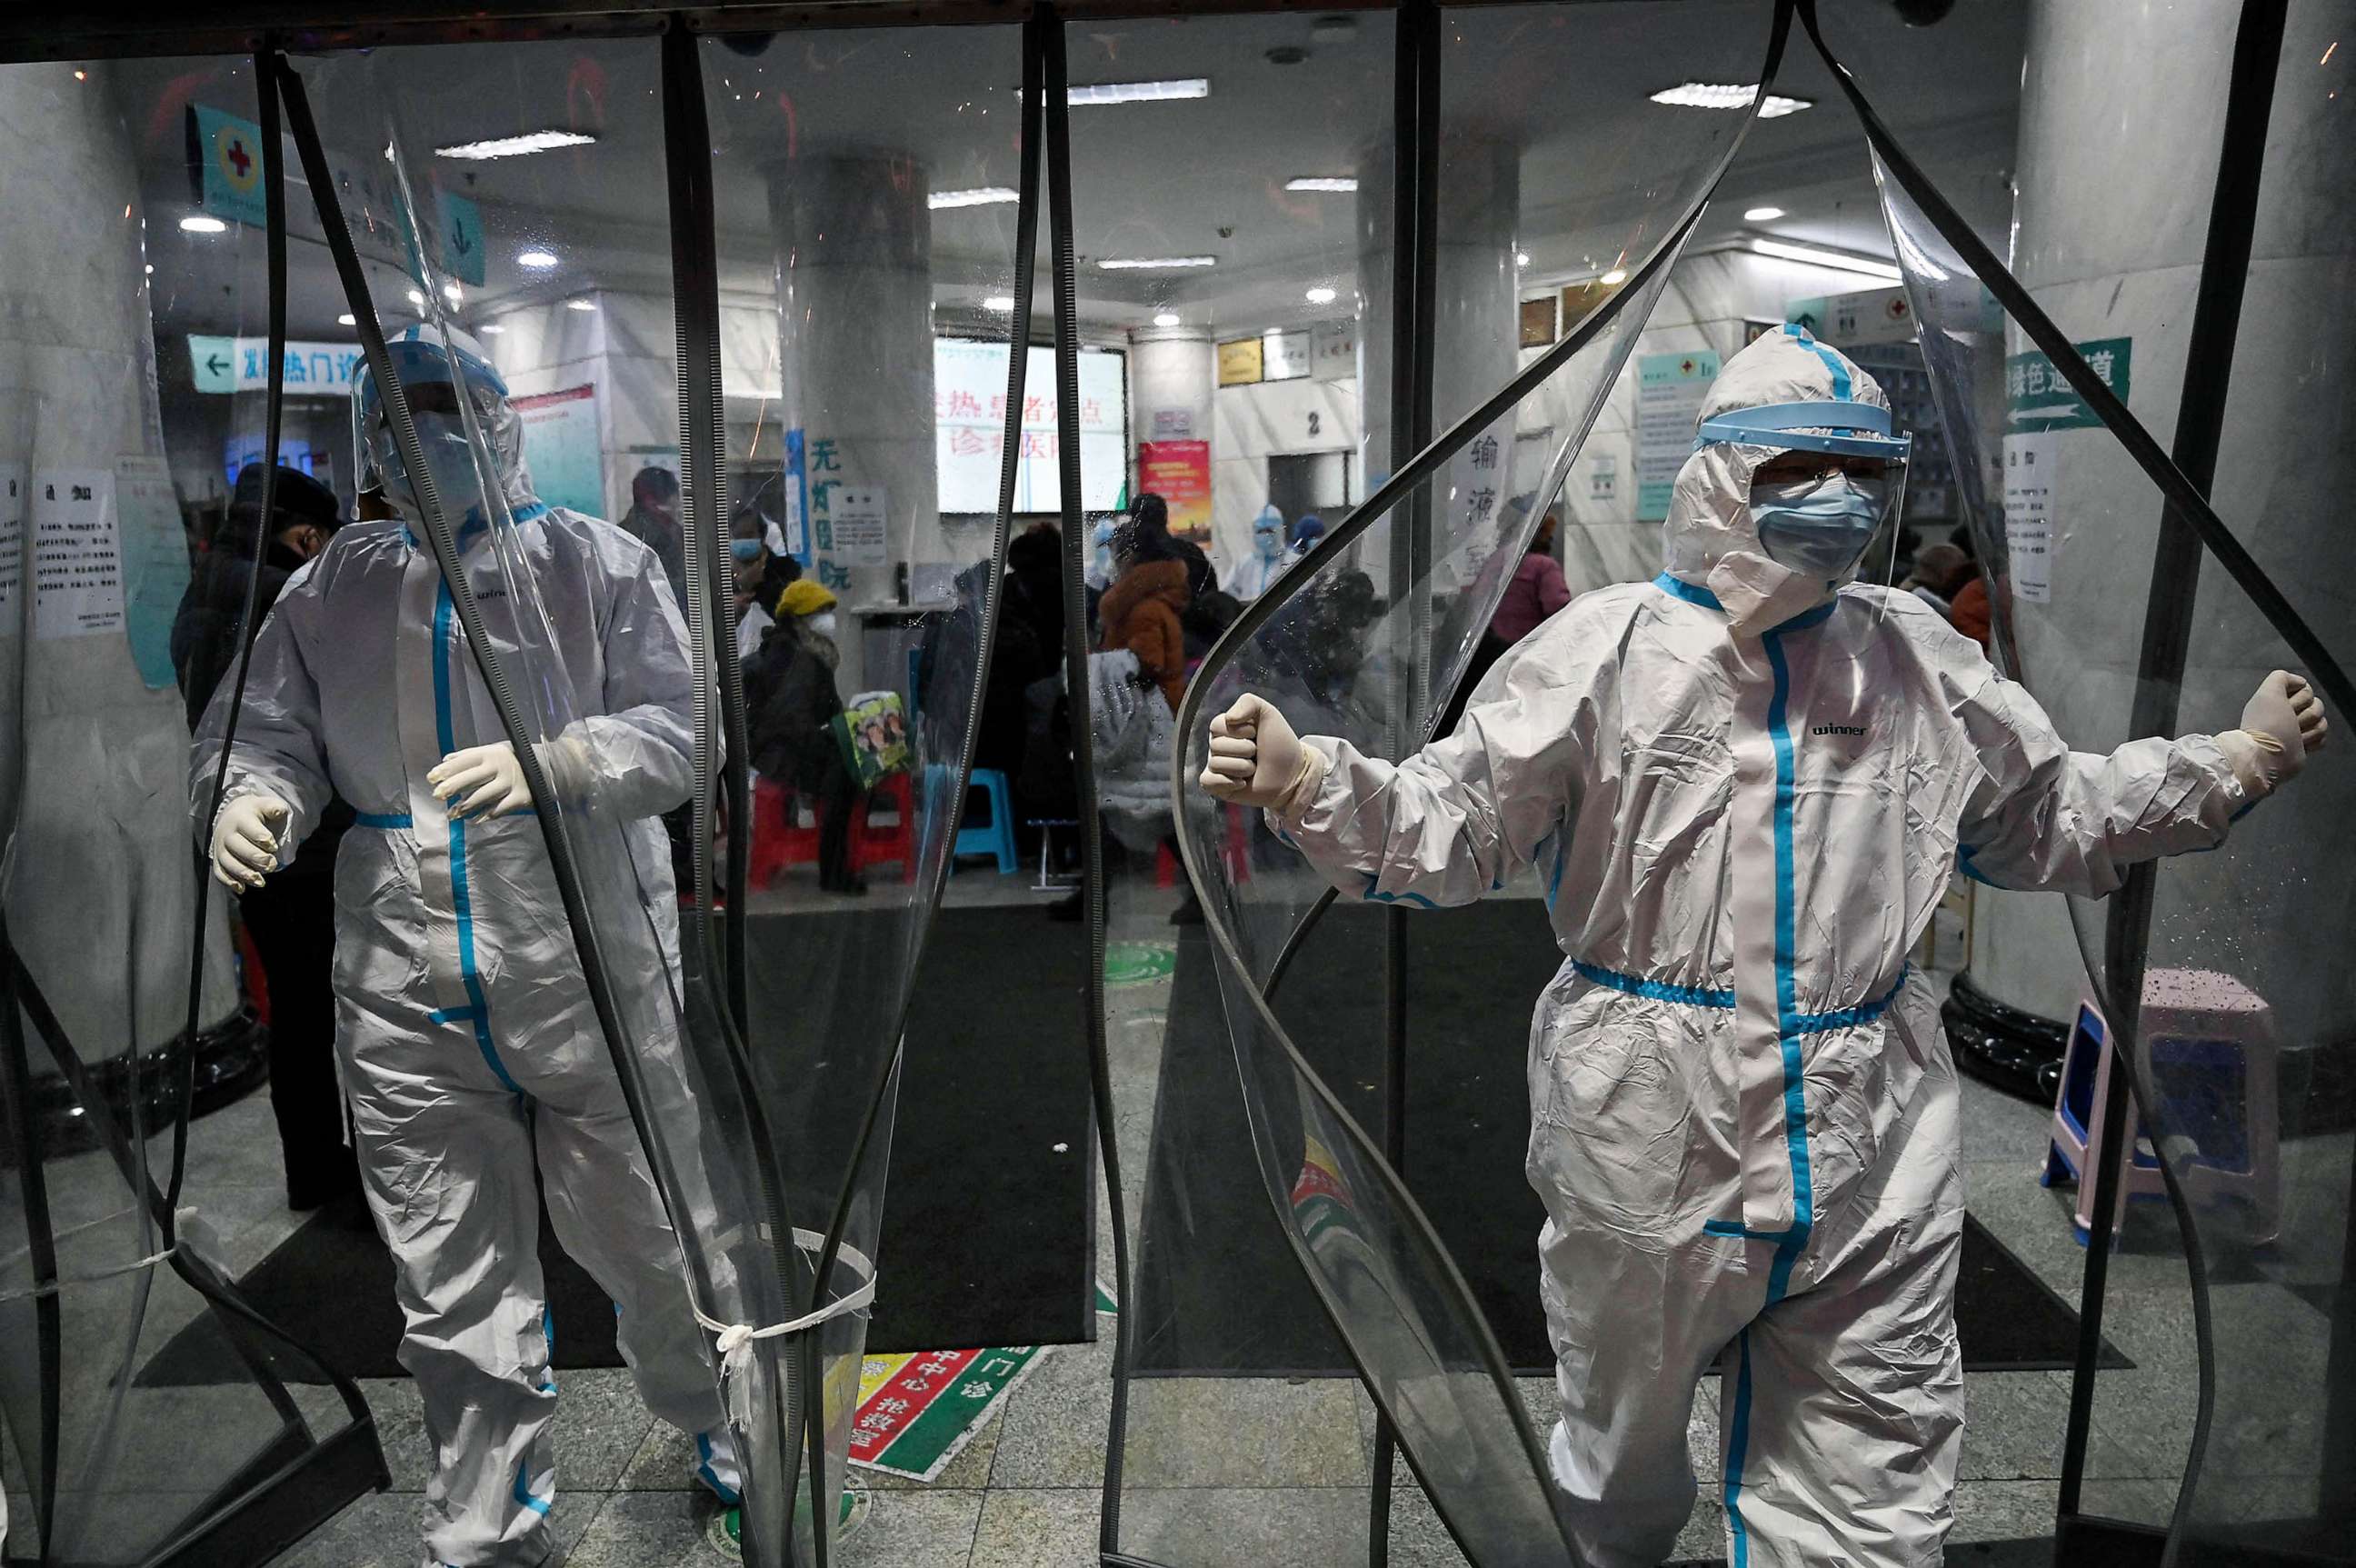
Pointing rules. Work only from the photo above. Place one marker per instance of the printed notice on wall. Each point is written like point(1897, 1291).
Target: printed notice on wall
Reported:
point(857, 515)
point(2031, 466)
point(1670, 393)
point(77, 569)
point(12, 542)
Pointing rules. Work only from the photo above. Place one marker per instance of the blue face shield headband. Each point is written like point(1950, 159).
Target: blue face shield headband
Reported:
point(1820, 524)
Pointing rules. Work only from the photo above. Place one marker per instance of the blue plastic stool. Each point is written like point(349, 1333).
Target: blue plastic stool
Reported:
point(995, 837)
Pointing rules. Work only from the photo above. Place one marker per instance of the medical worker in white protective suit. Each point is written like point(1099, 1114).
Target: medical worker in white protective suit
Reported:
point(477, 1074)
point(1249, 578)
point(1746, 784)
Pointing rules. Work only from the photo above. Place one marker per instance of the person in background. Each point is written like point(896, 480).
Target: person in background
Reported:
point(1252, 576)
point(291, 917)
point(759, 571)
point(1535, 593)
point(1967, 604)
point(1143, 610)
point(1306, 531)
point(790, 706)
point(653, 522)
point(1937, 572)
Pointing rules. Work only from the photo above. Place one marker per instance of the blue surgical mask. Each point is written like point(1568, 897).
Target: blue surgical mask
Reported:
point(1817, 527)
point(744, 550)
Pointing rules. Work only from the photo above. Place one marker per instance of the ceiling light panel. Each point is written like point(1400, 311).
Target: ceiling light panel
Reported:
point(1729, 95)
point(1154, 263)
point(1140, 92)
point(1839, 261)
point(515, 146)
point(980, 196)
point(1333, 182)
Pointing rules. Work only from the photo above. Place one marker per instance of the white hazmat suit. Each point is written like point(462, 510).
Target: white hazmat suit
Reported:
point(477, 1074)
point(1746, 789)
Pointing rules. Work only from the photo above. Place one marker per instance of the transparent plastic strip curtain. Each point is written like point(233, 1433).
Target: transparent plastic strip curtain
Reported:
point(2223, 1007)
point(1381, 1274)
point(102, 1266)
point(762, 1088)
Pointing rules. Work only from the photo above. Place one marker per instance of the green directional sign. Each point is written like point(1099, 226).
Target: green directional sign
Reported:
point(462, 237)
point(2038, 397)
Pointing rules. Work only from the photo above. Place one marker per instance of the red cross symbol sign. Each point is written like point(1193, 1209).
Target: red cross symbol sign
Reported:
point(238, 165)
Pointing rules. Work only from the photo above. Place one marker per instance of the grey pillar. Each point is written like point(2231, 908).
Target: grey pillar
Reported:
point(855, 351)
point(2113, 249)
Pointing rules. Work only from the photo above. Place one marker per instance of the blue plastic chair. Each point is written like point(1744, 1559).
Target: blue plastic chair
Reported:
point(995, 837)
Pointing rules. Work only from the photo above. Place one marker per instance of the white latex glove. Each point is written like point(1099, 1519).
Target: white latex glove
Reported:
point(245, 840)
point(481, 781)
point(1257, 760)
point(2282, 721)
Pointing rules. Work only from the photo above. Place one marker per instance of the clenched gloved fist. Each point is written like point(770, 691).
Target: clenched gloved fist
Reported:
point(1257, 760)
point(245, 840)
point(2283, 722)
point(481, 781)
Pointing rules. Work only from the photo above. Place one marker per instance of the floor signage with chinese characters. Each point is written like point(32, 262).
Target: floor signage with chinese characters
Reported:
point(916, 1411)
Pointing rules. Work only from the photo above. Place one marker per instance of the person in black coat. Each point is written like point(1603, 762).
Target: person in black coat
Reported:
point(790, 706)
point(291, 918)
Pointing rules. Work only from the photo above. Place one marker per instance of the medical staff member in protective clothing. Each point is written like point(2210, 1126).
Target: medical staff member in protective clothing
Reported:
point(479, 1076)
point(1250, 576)
point(1746, 784)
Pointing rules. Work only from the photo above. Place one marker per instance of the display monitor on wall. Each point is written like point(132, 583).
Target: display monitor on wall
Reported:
point(969, 427)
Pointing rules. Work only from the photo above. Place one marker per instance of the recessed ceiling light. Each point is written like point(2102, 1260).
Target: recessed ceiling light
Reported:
point(490, 326)
point(1613, 278)
point(1321, 296)
point(1337, 182)
point(450, 291)
point(1001, 303)
point(416, 299)
point(979, 195)
point(347, 320)
point(539, 261)
point(1839, 261)
point(516, 146)
point(1167, 318)
point(1521, 258)
point(1140, 92)
point(1729, 95)
point(580, 305)
point(1762, 214)
point(1154, 263)
point(151, 269)
point(201, 223)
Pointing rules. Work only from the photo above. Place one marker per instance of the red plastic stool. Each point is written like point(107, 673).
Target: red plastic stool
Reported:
point(873, 844)
point(778, 839)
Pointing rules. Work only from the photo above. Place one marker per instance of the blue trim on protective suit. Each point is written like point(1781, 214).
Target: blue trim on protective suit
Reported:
point(1789, 1019)
point(1654, 990)
point(1832, 362)
point(477, 1011)
point(1680, 588)
point(388, 821)
point(705, 1473)
point(1738, 1441)
point(474, 524)
point(1850, 1018)
point(1371, 896)
point(523, 1490)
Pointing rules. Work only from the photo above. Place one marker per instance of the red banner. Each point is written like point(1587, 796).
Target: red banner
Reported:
point(1180, 473)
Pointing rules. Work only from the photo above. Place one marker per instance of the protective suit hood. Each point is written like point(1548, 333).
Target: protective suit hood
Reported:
point(429, 363)
point(1712, 541)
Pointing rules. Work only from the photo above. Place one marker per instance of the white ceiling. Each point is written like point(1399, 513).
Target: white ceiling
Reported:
point(1601, 167)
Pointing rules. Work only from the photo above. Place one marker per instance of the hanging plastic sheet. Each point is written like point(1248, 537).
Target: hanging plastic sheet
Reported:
point(99, 1268)
point(763, 1084)
point(2130, 608)
point(1368, 639)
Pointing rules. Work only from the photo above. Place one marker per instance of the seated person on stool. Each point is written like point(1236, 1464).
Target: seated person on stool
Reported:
point(790, 704)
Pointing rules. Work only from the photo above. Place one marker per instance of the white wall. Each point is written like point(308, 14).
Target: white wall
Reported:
point(1251, 424)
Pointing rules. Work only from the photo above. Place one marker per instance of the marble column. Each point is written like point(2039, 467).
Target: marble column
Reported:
point(1171, 373)
point(93, 761)
point(2122, 109)
point(855, 353)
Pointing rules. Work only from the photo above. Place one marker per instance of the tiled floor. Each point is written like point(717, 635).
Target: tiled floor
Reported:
point(1245, 1471)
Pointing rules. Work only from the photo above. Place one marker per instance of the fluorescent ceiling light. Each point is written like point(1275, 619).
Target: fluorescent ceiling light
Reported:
point(1321, 296)
point(1140, 92)
point(539, 261)
point(490, 326)
point(201, 223)
point(1167, 318)
point(1521, 258)
point(450, 292)
point(979, 195)
point(1727, 95)
point(1001, 303)
point(580, 305)
point(1839, 261)
point(347, 320)
point(516, 146)
point(1613, 278)
point(416, 299)
point(1763, 215)
point(1154, 263)
point(1335, 182)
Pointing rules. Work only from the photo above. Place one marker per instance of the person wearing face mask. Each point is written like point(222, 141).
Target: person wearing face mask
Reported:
point(653, 522)
point(291, 919)
point(790, 706)
point(478, 1077)
point(1746, 784)
point(1250, 577)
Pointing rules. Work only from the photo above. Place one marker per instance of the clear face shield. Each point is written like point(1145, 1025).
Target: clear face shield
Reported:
point(1827, 503)
point(424, 369)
